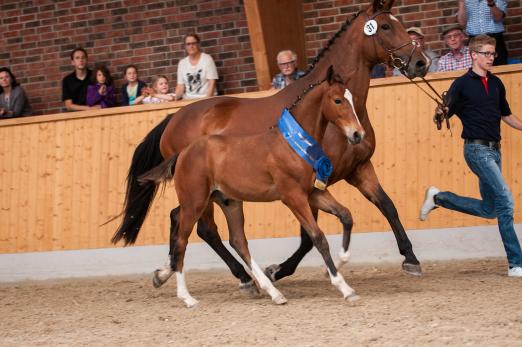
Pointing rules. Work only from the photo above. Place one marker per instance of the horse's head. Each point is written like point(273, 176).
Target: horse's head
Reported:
point(338, 108)
point(387, 41)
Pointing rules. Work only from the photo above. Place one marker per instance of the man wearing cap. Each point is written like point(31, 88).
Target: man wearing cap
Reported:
point(417, 35)
point(485, 17)
point(458, 57)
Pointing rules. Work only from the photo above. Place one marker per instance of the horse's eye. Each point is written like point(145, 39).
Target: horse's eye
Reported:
point(386, 26)
point(338, 101)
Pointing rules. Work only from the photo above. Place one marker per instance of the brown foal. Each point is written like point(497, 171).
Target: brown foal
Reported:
point(263, 167)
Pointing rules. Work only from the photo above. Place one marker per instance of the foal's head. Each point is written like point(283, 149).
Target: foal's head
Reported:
point(338, 107)
point(386, 40)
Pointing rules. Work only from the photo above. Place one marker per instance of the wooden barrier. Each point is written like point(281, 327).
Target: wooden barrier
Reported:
point(63, 175)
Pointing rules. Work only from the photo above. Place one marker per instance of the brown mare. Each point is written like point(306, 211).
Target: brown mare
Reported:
point(230, 169)
point(352, 53)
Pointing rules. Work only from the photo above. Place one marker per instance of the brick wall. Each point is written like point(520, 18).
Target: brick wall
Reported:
point(323, 17)
point(37, 36)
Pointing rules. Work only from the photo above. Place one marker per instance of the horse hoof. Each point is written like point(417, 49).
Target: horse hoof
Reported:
point(271, 271)
point(249, 288)
point(352, 297)
point(280, 300)
point(190, 303)
point(412, 269)
point(156, 280)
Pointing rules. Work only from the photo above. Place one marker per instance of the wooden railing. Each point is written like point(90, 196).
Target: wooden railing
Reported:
point(62, 176)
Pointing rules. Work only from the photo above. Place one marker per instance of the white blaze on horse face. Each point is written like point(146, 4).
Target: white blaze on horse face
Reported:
point(393, 18)
point(348, 96)
point(183, 292)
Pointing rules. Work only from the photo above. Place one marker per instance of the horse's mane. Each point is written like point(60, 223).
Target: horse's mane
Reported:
point(305, 91)
point(330, 42)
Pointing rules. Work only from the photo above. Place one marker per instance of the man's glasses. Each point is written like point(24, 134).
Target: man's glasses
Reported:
point(287, 64)
point(191, 43)
point(488, 54)
point(453, 36)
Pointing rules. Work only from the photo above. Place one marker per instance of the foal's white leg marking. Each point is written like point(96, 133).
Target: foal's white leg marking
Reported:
point(266, 284)
point(348, 96)
point(165, 272)
point(343, 258)
point(183, 292)
point(339, 282)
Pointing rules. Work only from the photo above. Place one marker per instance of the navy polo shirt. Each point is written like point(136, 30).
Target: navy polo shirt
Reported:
point(479, 109)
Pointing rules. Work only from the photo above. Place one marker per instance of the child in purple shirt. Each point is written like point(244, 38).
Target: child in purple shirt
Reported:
point(101, 91)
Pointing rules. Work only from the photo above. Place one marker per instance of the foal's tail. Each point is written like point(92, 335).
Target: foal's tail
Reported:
point(139, 195)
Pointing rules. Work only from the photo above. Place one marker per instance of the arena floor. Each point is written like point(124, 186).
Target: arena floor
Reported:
point(455, 303)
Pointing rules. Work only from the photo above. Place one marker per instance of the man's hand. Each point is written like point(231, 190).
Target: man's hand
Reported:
point(2, 111)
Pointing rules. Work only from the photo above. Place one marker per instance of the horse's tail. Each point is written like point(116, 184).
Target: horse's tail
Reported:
point(139, 196)
point(160, 173)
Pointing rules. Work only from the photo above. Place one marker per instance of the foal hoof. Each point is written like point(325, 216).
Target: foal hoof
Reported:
point(412, 269)
point(271, 271)
point(352, 297)
point(156, 280)
point(249, 288)
point(190, 303)
point(280, 300)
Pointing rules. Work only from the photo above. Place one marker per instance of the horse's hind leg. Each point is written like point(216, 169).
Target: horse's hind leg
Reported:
point(207, 230)
point(162, 275)
point(298, 203)
point(233, 211)
point(365, 179)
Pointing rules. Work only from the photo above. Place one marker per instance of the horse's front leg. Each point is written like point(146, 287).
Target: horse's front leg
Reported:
point(298, 203)
point(323, 200)
point(365, 179)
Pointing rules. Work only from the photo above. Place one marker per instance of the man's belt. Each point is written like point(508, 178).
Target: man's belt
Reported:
point(490, 144)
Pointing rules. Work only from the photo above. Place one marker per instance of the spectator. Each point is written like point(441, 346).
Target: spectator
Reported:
point(100, 91)
point(13, 101)
point(287, 63)
point(159, 92)
point(74, 85)
point(131, 92)
point(417, 35)
point(478, 98)
point(458, 57)
point(485, 17)
point(197, 72)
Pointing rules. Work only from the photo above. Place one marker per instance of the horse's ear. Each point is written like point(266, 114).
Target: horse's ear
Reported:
point(330, 75)
point(382, 5)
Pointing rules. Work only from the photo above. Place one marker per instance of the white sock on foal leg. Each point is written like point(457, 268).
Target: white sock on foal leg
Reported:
point(266, 284)
point(183, 292)
point(339, 282)
point(343, 258)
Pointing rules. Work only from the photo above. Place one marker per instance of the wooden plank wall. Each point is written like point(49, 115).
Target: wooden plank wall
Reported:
point(61, 176)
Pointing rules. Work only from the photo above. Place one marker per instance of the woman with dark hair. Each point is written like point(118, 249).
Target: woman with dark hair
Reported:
point(100, 91)
point(13, 101)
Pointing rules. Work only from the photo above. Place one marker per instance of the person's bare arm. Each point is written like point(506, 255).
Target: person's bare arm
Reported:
point(496, 13)
point(513, 121)
point(180, 90)
point(462, 16)
point(211, 87)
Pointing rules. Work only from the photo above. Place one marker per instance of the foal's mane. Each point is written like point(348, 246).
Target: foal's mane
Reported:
point(330, 42)
point(300, 97)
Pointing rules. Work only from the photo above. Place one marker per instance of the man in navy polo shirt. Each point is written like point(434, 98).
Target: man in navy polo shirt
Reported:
point(478, 98)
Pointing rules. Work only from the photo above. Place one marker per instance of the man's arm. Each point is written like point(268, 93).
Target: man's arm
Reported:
point(497, 14)
point(211, 87)
point(462, 16)
point(513, 121)
point(73, 107)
